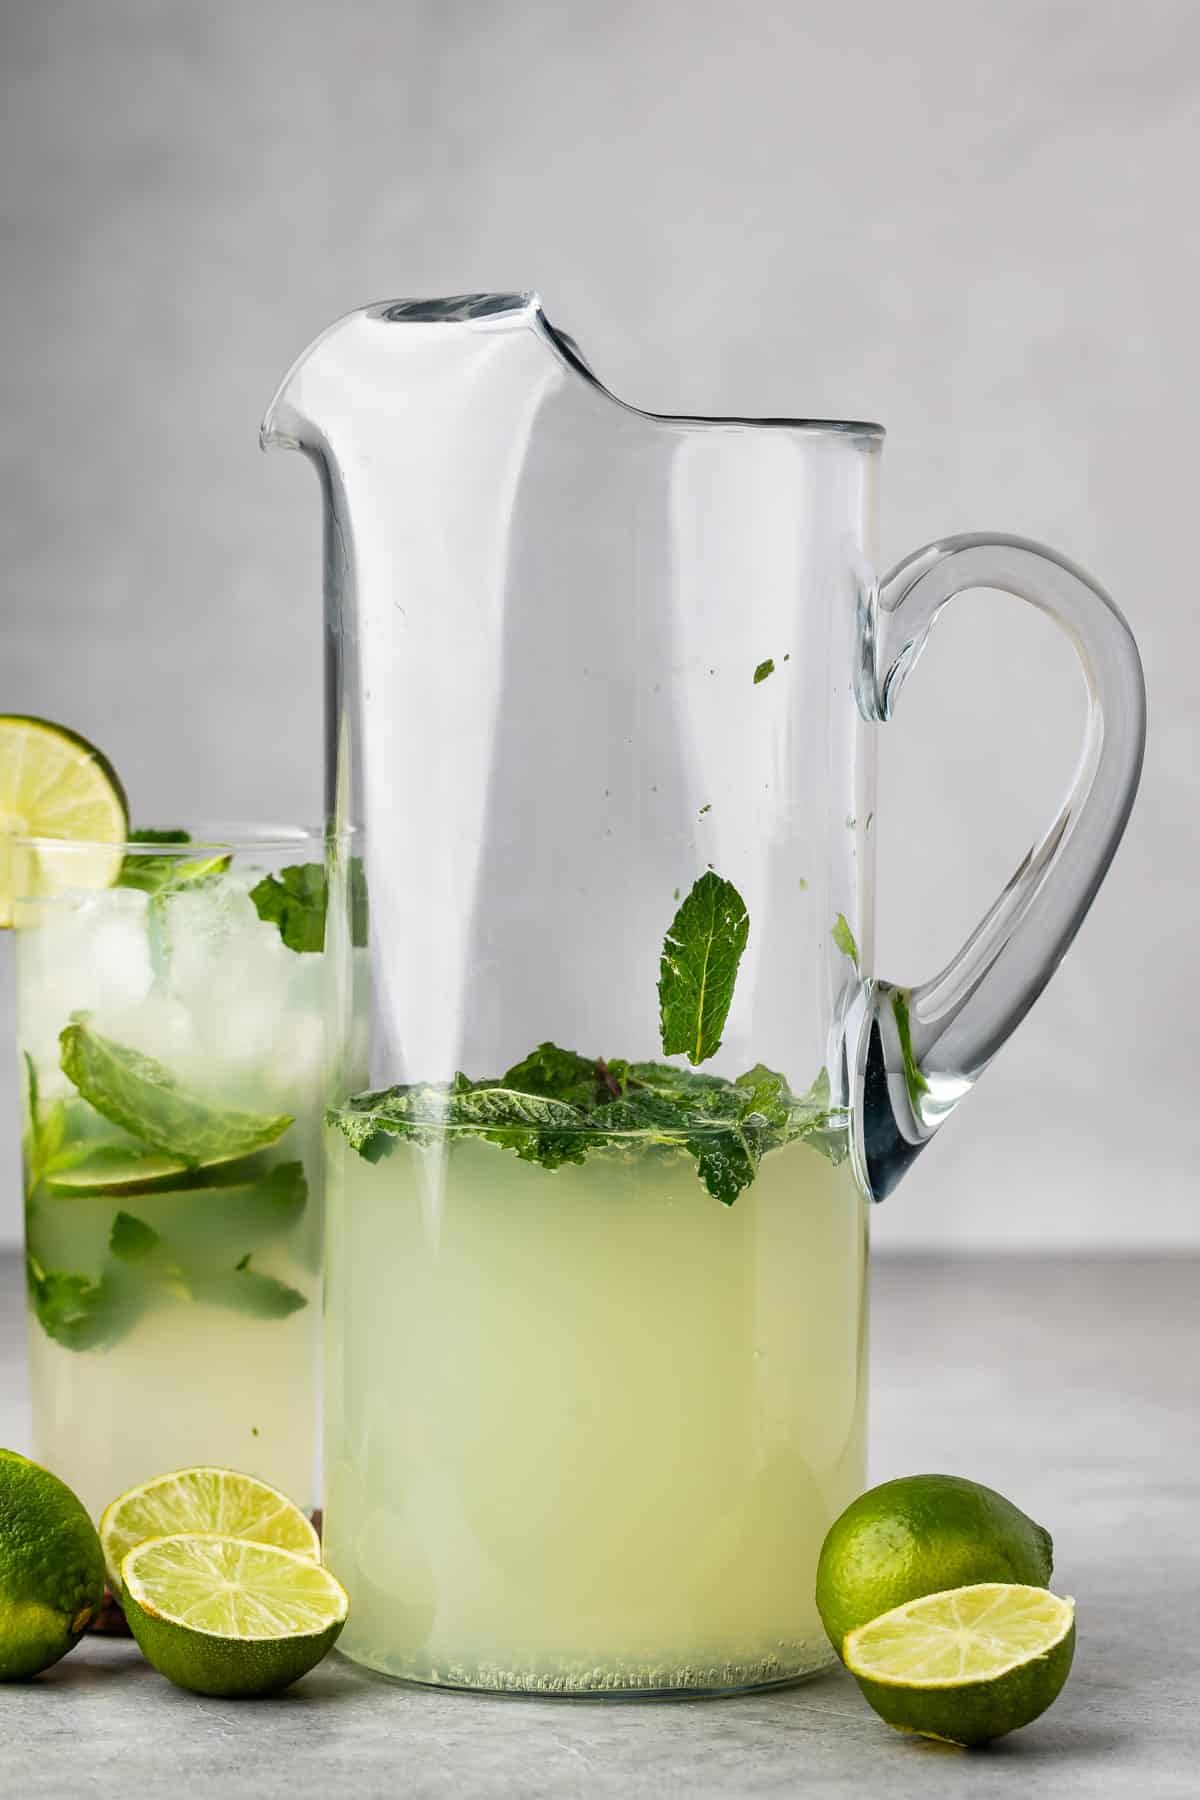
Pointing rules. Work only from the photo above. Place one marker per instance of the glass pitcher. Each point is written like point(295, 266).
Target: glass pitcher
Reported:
point(615, 1077)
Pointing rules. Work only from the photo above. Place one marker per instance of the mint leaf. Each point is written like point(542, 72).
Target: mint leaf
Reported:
point(140, 1095)
point(726, 1164)
point(168, 874)
point(295, 900)
point(764, 669)
point(74, 1310)
point(245, 1290)
point(562, 1075)
point(273, 1203)
point(131, 1238)
point(843, 937)
point(537, 1128)
point(914, 1077)
point(699, 966)
point(726, 1126)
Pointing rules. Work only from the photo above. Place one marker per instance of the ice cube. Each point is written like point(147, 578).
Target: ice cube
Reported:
point(87, 954)
point(229, 970)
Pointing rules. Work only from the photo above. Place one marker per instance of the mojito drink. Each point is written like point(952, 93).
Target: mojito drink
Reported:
point(596, 1392)
point(171, 1062)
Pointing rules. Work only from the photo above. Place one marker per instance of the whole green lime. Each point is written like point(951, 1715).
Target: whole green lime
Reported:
point(51, 1568)
point(922, 1535)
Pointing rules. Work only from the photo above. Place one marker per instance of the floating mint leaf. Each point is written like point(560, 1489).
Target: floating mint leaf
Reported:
point(764, 669)
point(699, 966)
point(131, 1238)
point(562, 1075)
point(725, 1163)
point(537, 1128)
point(295, 900)
point(168, 874)
point(140, 1095)
point(272, 1203)
point(74, 1310)
point(675, 1083)
point(727, 1126)
point(843, 937)
point(245, 1290)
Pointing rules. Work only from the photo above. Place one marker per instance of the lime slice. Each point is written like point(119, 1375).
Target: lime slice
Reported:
point(203, 1500)
point(54, 784)
point(223, 1616)
point(124, 1167)
point(966, 1665)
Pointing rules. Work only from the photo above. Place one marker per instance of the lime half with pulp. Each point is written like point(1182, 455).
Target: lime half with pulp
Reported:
point(220, 1615)
point(203, 1500)
point(968, 1665)
point(54, 784)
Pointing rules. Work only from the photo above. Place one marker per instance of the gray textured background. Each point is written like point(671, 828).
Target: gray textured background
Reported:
point(975, 222)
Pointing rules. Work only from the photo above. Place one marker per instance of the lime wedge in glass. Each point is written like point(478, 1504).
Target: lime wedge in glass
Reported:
point(54, 784)
point(126, 1167)
point(220, 1615)
point(203, 1500)
point(966, 1665)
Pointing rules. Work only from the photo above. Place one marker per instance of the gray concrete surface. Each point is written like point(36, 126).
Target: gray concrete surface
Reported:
point(1068, 1383)
point(970, 220)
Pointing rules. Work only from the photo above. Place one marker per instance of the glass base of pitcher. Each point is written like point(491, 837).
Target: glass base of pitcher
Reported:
point(783, 1667)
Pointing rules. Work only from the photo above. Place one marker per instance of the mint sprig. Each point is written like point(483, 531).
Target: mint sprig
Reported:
point(726, 1126)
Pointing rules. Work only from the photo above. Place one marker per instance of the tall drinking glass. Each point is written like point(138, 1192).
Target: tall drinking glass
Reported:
point(170, 1038)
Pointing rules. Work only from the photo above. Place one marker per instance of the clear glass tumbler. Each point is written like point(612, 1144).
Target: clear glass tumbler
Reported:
point(607, 690)
point(170, 1037)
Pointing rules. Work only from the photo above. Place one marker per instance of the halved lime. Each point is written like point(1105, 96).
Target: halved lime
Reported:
point(203, 1500)
point(54, 784)
point(966, 1665)
point(223, 1616)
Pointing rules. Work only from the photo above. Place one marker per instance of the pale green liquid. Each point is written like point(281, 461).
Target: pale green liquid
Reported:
point(202, 984)
point(586, 1430)
point(183, 1382)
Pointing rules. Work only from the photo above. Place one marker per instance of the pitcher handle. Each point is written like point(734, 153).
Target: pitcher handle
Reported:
point(920, 1050)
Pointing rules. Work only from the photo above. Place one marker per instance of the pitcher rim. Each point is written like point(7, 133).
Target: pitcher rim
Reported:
point(492, 307)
